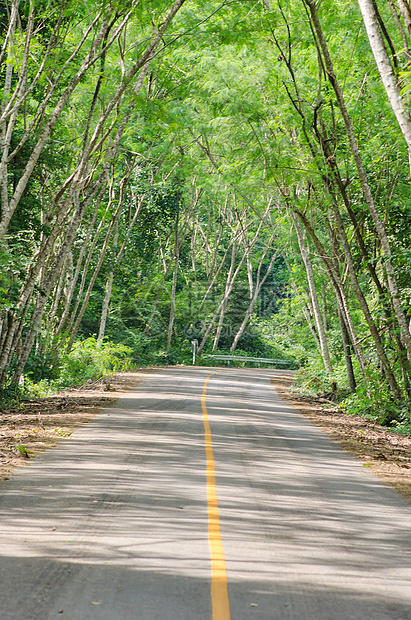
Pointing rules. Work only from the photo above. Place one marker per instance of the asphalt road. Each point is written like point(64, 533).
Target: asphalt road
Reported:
point(121, 522)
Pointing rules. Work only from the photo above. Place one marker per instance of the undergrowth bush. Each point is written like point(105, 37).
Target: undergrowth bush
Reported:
point(372, 400)
point(39, 389)
point(314, 379)
point(89, 361)
point(11, 394)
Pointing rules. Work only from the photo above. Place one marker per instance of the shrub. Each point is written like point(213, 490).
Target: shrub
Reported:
point(89, 361)
point(11, 394)
point(372, 399)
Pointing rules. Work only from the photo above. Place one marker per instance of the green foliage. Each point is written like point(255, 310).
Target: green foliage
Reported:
point(287, 332)
point(373, 400)
point(314, 379)
point(23, 450)
point(88, 361)
point(11, 394)
point(40, 389)
point(228, 120)
point(42, 366)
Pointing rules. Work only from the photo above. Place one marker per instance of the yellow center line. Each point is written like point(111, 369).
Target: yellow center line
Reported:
point(219, 593)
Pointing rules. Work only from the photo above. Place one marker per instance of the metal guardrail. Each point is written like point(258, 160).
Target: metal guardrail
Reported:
point(244, 358)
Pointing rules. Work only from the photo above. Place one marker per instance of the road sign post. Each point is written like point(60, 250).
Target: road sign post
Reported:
point(194, 348)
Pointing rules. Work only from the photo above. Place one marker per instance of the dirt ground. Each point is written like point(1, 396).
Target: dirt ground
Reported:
point(385, 453)
point(37, 425)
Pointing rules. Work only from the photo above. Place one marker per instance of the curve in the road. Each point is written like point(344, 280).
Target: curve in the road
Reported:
point(114, 523)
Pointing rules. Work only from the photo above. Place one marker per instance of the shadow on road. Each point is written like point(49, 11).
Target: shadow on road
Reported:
point(113, 523)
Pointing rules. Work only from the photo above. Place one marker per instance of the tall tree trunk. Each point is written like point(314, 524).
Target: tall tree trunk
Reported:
point(389, 268)
point(388, 77)
point(225, 297)
point(256, 292)
point(107, 294)
point(173, 297)
point(325, 353)
point(338, 288)
point(347, 351)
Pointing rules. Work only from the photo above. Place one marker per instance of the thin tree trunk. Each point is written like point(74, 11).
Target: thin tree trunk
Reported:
point(385, 69)
point(45, 252)
point(308, 315)
point(179, 240)
point(221, 304)
point(401, 30)
point(53, 273)
point(394, 387)
point(173, 297)
point(338, 288)
point(100, 261)
point(389, 268)
point(331, 162)
point(6, 132)
point(159, 289)
point(254, 298)
point(347, 351)
point(325, 353)
point(57, 298)
point(405, 11)
point(75, 276)
point(38, 149)
point(106, 305)
point(84, 268)
point(45, 292)
point(216, 274)
point(107, 294)
point(225, 298)
point(109, 283)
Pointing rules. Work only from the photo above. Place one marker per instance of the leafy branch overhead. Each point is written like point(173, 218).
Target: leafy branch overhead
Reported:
point(232, 172)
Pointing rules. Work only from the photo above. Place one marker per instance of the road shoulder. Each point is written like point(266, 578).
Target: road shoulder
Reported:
point(36, 425)
point(41, 424)
point(384, 453)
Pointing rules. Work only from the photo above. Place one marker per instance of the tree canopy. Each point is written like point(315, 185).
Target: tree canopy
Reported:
point(235, 172)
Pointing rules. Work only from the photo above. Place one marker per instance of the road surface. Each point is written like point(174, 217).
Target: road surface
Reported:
point(202, 496)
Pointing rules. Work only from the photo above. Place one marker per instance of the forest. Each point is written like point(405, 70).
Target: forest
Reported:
point(231, 171)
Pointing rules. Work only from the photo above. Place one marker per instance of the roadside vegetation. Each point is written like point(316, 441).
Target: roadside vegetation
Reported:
point(235, 173)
